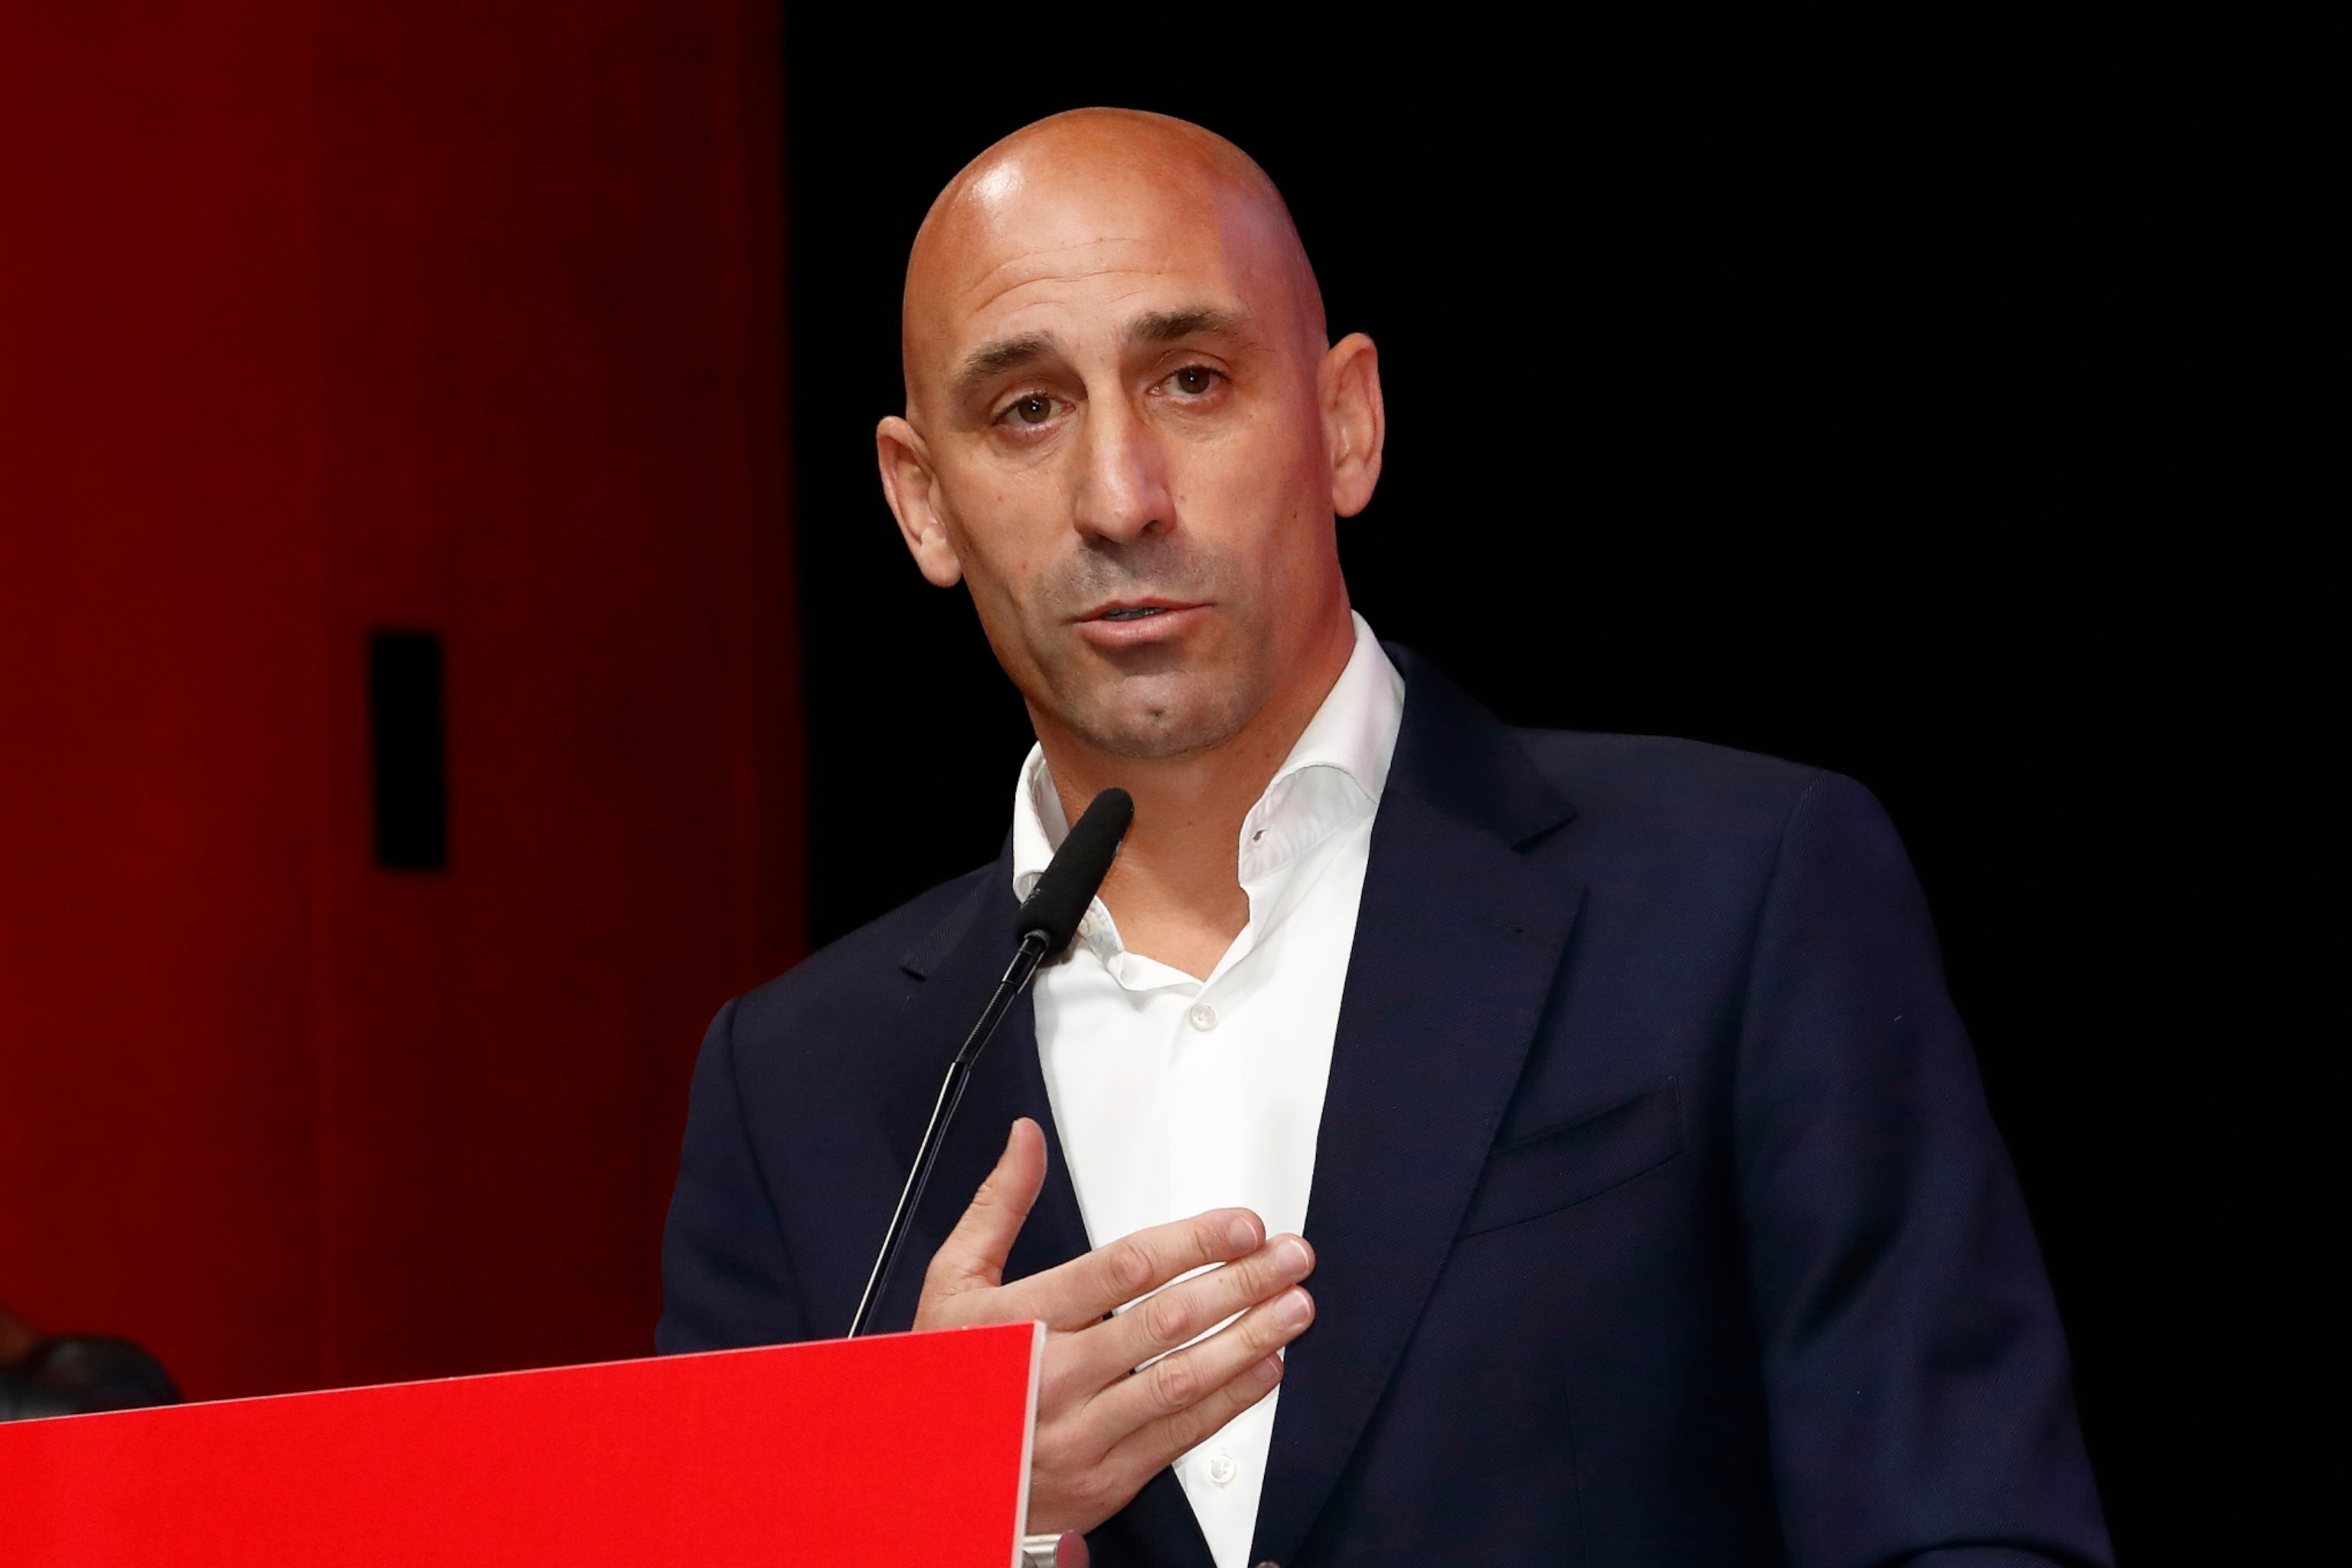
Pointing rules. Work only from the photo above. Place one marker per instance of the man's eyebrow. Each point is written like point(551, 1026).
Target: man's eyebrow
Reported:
point(989, 360)
point(992, 360)
point(1167, 326)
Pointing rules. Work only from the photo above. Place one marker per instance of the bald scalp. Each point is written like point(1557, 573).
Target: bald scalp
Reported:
point(1115, 165)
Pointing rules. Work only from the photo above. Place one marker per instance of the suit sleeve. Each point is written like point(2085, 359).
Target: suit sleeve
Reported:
point(727, 1278)
point(1915, 1370)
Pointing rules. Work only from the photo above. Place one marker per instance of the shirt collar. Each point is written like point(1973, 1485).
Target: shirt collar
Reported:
point(1334, 775)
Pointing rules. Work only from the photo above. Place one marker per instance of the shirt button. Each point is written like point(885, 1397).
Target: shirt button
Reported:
point(1202, 1017)
point(1222, 1468)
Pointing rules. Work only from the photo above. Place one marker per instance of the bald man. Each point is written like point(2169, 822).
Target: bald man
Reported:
point(1443, 1143)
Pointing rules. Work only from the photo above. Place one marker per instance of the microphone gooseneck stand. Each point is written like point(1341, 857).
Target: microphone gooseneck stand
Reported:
point(1048, 920)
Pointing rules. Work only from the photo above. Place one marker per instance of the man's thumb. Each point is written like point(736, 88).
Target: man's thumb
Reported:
point(975, 1252)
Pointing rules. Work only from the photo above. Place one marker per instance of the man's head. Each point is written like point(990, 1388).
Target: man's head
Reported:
point(1125, 432)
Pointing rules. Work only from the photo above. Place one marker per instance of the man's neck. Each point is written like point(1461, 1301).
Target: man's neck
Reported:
point(1175, 888)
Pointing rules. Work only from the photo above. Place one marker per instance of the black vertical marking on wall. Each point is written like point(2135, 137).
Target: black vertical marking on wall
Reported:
point(404, 724)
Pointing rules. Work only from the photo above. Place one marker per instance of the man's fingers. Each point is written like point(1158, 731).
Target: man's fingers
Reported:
point(1080, 1291)
point(1185, 1311)
point(1198, 1390)
point(1160, 1443)
point(973, 1254)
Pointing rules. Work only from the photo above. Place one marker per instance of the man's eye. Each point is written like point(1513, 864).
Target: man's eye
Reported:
point(1194, 380)
point(1033, 409)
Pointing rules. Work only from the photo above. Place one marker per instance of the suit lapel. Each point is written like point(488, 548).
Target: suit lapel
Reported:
point(1457, 941)
point(958, 964)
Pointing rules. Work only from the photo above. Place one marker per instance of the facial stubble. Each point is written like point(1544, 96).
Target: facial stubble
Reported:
point(1155, 699)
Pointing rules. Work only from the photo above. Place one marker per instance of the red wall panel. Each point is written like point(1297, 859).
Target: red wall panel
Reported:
point(315, 317)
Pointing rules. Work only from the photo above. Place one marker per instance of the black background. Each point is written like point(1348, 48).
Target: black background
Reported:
point(1952, 397)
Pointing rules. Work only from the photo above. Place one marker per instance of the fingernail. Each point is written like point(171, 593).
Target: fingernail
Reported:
point(1270, 1370)
point(1240, 1234)
point(1290, 1256)
point(1294, 1310)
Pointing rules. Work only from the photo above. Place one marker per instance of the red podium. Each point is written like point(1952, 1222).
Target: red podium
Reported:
point(903, 1450)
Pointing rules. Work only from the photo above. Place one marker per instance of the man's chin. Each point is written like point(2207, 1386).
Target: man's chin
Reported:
point(1177, 718)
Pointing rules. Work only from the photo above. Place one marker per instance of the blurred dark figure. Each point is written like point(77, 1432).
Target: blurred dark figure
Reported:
point(74, 1374)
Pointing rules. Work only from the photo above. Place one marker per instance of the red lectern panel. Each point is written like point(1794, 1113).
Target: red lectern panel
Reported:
point(905, 1449)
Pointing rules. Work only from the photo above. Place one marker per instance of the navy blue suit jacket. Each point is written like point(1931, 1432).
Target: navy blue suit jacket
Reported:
point(1659, 1219)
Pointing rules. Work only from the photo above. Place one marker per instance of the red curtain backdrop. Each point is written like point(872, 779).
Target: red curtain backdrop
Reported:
point(317, 316)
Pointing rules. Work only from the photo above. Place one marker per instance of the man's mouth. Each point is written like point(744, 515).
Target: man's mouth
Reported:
point(1117, 624)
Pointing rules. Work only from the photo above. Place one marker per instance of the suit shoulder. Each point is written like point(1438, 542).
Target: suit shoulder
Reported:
point(1658, 785)
point(1586, 764)
point(1686, 826)
point(853, 970)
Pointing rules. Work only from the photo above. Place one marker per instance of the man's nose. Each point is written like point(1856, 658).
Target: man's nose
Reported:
point(1122, 491)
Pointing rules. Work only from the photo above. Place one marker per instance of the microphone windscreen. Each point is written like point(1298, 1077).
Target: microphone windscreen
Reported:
point(1059, 900)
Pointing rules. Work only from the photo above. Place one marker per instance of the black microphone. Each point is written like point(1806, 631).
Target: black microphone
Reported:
point(1049, 917)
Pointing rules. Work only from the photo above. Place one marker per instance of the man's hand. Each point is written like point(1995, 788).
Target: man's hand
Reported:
point(1104, 1428)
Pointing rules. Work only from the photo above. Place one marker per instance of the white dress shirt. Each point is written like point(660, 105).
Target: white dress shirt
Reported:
point(1174, 1093)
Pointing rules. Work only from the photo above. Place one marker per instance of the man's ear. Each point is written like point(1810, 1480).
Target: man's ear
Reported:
point(913, 491)
point(1355, 422)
